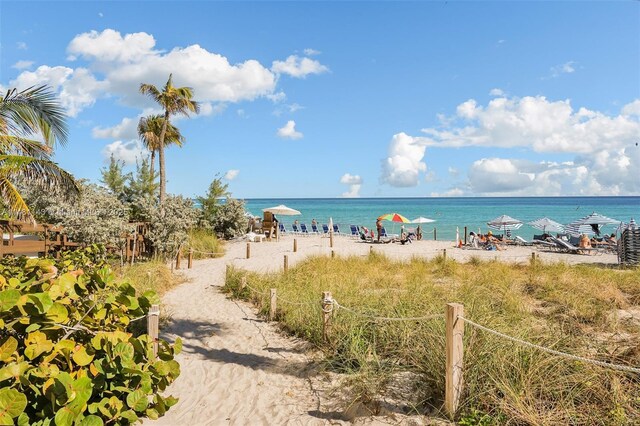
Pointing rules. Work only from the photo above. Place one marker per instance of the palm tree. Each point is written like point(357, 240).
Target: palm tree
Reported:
point(26, 116)
point(174, 100)
point(149, 130)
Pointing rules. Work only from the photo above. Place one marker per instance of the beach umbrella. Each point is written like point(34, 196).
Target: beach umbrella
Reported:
point(422, 220)
point(545, 224)
point(282, 210)
point(590, 225)
point(394, 217)
point(504, 223)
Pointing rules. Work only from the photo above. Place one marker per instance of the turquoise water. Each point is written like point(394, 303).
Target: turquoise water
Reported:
point(452, 212)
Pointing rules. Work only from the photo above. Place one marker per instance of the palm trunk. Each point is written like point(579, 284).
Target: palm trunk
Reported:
point(153, 164)
point(163, 179)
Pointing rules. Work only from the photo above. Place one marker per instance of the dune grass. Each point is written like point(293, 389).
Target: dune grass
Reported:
point(151, 275)
point(204, 243)
point(569, 308)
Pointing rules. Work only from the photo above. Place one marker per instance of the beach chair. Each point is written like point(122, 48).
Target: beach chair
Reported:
point(296, 229)
point(519, 241)
point(282, 229)
point(314, 229)
point(570, 248)
point(355, 232)
point(336, 229)
point(383, 233)
point(325, 229)
point(303, 229)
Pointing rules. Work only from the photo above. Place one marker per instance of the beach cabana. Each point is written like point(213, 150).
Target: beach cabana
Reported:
point(590, 225)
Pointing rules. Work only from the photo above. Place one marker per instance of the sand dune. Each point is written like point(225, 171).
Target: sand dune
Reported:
point(238, 369)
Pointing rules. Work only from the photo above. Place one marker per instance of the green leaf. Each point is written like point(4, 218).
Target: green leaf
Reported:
point(177, 346)
point(152, 414)
point(8, 299)
point(91, 421)
point(65, 416)
point(81, 357)
point(57, 313)
point(23, 420)
point(124, 350)
point(9, 346)
point(137, 400)
point(130, 415)
point(12, 404)
point(14, 370)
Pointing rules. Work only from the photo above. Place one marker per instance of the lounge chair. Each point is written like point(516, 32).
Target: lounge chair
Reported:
point(296, 229)
point(325, 229)
point(314, 229)
point(570, 248)
point(355, 232)
point(303, 229)
point(336, 229)
point(519, 241)
point(282, 229)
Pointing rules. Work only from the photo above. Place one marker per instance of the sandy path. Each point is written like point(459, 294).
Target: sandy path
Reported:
point(238, 369)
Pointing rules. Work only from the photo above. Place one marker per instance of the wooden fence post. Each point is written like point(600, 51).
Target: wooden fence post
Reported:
point(327, 305)
point(435, 234)
point(454, 357)
point(333, 254)
point(533, 257)
point(248, 250)
point(286, 263)
point(465, 235)
point(295, 245)
point(190, 259)
point(331, 238)
point(444, 254)
point(153, 319)
point(243, 283)
point(273, 305)
point(178, 258)
point(370, 249)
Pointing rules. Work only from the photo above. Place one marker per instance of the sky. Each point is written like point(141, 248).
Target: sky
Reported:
point(347, 99)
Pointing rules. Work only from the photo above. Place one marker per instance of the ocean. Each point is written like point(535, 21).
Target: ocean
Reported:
point(450, 213)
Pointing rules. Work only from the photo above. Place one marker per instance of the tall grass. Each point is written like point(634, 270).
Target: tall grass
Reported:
point(568, 308)
point(204, 244)
point(152, 275)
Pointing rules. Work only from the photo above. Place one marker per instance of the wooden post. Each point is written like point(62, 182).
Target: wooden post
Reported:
point(243, 283)
point(370, 249)
point(327, 305)
point(248, 250)
point(331, 238)
point(135, 240)
point(444, 254)
point(272, 305)
point(153, 319)
point(190, 259)
point(454, 357)
point(227, 271)
point(295, 245)
point(286, 263)
point(435, 234)
point(333, 254)
point(178, 258)
point(533, 257)
point(465, 235)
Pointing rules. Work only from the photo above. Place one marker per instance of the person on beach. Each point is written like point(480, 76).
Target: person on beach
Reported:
point(379, 228)
point(419, 233)
point(314, 222)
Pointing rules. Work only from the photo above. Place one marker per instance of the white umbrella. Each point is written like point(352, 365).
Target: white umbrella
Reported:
point(504, 223)
point(422, 220)
point(590, 224)
point(282, 210)
point(545, 224)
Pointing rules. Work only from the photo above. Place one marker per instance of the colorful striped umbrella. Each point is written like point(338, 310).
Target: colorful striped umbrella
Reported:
point(394, 217)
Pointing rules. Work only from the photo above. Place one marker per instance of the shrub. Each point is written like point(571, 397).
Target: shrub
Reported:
point(230, 220)
point(204, 243)
point(66, 355)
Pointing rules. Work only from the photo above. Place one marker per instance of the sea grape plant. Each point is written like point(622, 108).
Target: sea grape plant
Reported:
point(67, 355)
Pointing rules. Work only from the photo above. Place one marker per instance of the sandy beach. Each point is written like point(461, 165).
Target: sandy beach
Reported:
point(238, 369)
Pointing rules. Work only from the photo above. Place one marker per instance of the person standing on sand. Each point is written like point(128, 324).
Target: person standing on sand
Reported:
point(379, 228)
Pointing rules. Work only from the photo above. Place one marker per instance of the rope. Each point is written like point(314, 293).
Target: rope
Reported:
point(424, 318)
point(215, 253)
point(553, 351)
point(264, 293)
point(294, 303)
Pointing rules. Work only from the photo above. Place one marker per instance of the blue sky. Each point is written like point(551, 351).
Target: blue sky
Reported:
point(330, 99)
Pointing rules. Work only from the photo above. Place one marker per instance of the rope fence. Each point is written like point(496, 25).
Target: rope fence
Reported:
point(454, 333)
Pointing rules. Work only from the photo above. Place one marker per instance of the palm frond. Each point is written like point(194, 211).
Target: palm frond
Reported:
point(17, 145)
point(42, 172)
point(15, 204)
point(35, 110)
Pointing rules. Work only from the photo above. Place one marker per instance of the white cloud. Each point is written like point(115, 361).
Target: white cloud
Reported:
point(298, 67)
point(288, 131)
point(77, 88)
point(497, 175)
point(404, 162)
point(535, 123)
point(129, 152)
point(22, 65)
point(207, 109)
point(566, 68)
point(109, 46)
point(21, 45)
point(231, 174)
point(632, 108)
point(453, 192)
point(355, 184)
point(496, 92)
point(311, 52)
point(453, 171)
point(100, 14)
point(126, 129)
